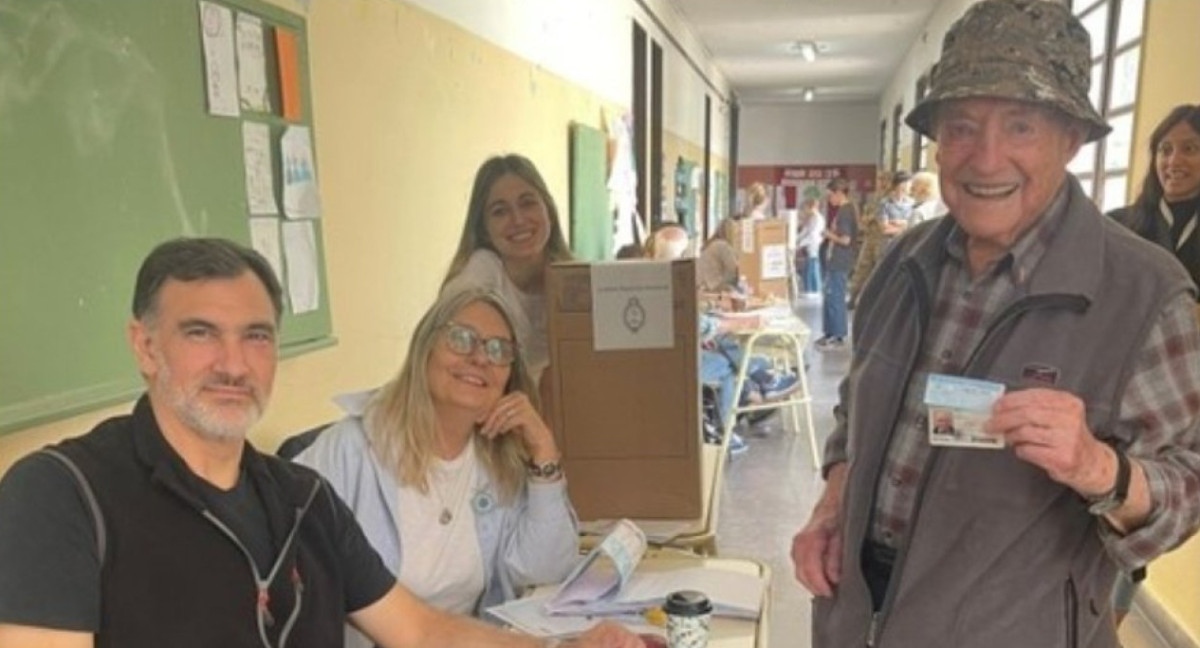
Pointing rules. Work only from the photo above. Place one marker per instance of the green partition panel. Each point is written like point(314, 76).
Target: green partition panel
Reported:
point(591, 220)
point(106, 149)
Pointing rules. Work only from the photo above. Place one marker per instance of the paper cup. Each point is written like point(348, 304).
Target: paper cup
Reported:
point(688, 615)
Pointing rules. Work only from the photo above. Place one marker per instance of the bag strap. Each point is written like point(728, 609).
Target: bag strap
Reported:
point(89, 496)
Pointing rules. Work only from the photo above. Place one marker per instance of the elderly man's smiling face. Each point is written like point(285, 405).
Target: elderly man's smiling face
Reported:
point(1000, 164)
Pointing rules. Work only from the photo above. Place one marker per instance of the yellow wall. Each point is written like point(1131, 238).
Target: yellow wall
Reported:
point(406, 106)
point(1165, 83)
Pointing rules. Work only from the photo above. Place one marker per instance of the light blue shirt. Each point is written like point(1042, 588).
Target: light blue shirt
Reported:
point(531, 541)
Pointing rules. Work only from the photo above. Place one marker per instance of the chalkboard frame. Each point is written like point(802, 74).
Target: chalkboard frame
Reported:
point(106, 149)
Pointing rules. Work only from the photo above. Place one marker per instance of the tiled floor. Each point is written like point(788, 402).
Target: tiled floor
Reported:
point(770, 490)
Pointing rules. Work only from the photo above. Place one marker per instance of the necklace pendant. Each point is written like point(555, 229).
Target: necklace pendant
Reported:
point(445, 517)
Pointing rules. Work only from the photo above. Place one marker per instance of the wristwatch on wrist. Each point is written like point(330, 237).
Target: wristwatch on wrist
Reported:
point(548, 470)
point(1113, 499)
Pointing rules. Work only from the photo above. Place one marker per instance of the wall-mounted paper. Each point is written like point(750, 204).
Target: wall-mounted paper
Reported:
point(300, 196)
point(632, 305)
point(252, 64)
point(300, 252)
point(264, 238)
point(220, 66)
point(774, 262)
point(260, 184)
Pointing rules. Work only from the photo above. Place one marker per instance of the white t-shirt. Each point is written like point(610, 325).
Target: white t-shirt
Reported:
point(441, 563)
point(528, 311)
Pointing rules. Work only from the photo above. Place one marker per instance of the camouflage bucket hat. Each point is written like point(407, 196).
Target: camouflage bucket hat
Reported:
point(1024, 50)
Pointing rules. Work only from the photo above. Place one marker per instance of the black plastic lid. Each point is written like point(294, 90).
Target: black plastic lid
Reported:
point(687, 603)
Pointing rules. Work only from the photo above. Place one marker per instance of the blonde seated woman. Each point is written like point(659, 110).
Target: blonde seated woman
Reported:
point(449, 469)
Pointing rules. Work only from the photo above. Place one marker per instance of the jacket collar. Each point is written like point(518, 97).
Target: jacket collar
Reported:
point(166, 467)
point(1071, 266)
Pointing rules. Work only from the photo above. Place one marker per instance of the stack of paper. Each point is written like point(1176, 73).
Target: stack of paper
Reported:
point(605, 584)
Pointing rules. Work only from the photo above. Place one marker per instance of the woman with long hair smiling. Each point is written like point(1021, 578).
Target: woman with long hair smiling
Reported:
point(449, 468)
point(510, 237)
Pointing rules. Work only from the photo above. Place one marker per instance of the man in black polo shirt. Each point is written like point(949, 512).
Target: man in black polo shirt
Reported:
point(166, 528)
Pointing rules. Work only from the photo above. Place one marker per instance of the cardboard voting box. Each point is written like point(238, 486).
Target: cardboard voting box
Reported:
point(627, 420)
point(763, 255)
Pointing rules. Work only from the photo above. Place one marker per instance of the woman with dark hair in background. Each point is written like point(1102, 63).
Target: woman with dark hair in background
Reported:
point(1166, 213)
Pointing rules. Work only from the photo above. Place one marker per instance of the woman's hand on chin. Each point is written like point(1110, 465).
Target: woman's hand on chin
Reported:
point(515, 414)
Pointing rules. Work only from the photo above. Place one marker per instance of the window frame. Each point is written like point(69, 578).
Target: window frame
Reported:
point(1098, 176)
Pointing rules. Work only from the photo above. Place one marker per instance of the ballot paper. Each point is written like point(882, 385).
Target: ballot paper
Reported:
point(607, 583)
point(601, 575)
point(957, 409)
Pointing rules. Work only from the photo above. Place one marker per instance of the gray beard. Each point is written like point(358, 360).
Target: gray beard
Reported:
point(208, 424)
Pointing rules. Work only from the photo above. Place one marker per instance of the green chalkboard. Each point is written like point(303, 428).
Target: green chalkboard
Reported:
point(591, 220)
point(106, 149)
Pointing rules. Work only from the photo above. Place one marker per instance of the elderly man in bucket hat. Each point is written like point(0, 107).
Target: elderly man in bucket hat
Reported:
point(1089, 334)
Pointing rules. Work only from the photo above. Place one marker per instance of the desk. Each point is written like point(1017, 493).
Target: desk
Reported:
point(724, 632)
point(781, 335)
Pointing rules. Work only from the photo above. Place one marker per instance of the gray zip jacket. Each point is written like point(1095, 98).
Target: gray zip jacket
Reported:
point(998, 554)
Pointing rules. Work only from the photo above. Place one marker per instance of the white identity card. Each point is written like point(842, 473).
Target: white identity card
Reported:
point(957, 408)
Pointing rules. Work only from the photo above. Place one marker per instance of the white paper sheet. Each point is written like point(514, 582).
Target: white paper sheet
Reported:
point(220, 66)
point(300, 250)
point(264, 238)
point(300, 196)
point(260, 184)
point(747, 235)
point(251, 63)
point(632, 305)
point(774, 262)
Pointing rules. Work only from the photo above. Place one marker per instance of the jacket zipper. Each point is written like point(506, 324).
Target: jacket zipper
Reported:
point(263, 584)
point(1009, 314)
point(923, 313)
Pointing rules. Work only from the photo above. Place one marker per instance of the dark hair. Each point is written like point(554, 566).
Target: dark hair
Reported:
point(194, 259)
point(474, 234)
point(631, 251)
point(1152, 189)
point(900, 177)
point(838, 185)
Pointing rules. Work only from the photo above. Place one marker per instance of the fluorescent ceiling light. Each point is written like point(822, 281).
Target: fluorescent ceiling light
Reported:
point(809, 93)
point(806, 49)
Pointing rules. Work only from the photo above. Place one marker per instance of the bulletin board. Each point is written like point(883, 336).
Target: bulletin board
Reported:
point(107, 148)
point(591, 219)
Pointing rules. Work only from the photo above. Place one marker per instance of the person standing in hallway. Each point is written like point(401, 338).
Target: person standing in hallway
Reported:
point(510, 237)
point(808, 246)
point(841, 234)
point(1097, 356)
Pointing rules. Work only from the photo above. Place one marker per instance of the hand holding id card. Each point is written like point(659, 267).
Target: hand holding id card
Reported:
point(957, 408)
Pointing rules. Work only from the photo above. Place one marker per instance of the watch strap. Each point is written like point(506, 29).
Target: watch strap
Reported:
point(1120, 490)
point(548, 471)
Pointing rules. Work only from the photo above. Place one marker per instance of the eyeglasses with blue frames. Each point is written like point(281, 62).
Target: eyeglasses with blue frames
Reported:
point(463, 340)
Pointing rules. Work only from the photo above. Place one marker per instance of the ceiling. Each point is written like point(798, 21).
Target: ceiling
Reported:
point(860, 44)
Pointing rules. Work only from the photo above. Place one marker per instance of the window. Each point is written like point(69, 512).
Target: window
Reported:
point(896, 113)
point(1115, 27)
point(882, 142)
point(920, 150)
